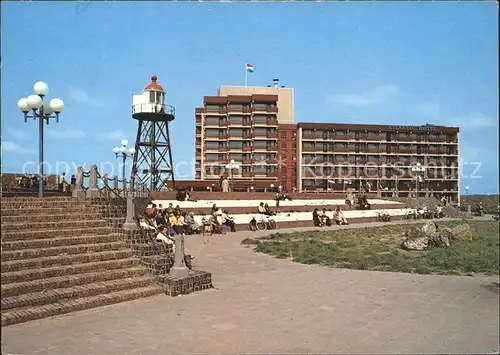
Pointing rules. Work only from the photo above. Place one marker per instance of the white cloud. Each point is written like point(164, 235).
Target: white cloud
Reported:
point(115, 135)
point(474, 120)
point(16, 133)
point(81, 96)
point(66, 134)
point(13, 147)
point(374, 96)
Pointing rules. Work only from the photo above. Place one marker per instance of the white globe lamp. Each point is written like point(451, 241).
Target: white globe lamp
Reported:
point(41, 88)
point(57, 105)
point(124, 142)
point(116, 150)
point(34, 102)
point(23, 105)
point(131, 150)
point(47, 110)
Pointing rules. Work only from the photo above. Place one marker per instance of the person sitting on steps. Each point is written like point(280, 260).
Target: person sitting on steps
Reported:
point(263, 210)
point(316, 218)
point(268, 210)
point(324, 218)
point(363, 203)
point(338, 217)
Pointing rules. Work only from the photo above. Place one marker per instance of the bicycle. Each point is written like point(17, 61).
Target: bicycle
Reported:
point(383, 217)
point(265, 223)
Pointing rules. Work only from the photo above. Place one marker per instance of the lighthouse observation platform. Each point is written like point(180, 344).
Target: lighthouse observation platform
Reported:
point(153, 112)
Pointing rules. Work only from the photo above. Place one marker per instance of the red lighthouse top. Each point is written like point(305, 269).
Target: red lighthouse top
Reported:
point(154, 86)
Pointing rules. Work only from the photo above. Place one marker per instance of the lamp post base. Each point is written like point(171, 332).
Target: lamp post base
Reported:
point(178, 272)
point(130, 223)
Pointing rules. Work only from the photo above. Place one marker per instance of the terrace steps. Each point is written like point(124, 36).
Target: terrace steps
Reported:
point(59, 256)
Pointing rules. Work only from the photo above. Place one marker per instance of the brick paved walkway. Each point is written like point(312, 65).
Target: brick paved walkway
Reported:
point(265, 305)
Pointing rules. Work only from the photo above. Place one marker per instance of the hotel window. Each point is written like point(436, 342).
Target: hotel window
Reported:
point(261, 132)
point(260, 107)
point(403, 135)
point(308, 145)
point(235, 132)
point(259, 144)
point(212, 108)
point(211, 157)
point(211, 145)
point(308, 132)
point(270, 156)
point(259, 119)
point(308, 183)
point(270, 169)
point(246, 169)
point(210, 120)
point(236, 157)
point(236, 119)
point(259, 169)
point(236, 107)
point(212, 132)
point(235, 145)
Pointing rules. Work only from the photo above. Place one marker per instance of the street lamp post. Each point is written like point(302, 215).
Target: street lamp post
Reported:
point(417, 169)
point(33, 107)
point(125, 153)
point(231, 166)
point(469, 208)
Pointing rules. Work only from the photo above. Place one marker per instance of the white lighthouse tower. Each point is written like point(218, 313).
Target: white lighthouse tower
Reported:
point(153, 165)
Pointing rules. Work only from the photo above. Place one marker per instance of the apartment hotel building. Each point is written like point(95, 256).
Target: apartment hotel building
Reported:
point(254, 127)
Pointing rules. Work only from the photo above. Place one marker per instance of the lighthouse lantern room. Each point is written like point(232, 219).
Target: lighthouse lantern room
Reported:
point(151, 103)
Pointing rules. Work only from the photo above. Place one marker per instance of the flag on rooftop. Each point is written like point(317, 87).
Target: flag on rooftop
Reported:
point(250, 68)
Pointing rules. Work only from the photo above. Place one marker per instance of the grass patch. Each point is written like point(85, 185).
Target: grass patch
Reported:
point(379, 249)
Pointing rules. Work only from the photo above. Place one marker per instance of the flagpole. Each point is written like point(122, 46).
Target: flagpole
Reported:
point(246, 75)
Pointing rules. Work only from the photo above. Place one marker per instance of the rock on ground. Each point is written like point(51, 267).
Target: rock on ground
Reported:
point(432, 235)
point(462, 232)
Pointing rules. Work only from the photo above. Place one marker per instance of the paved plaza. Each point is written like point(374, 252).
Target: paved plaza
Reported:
point(265, 305)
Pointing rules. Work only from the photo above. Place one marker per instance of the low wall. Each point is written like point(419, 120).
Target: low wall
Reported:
point(216, 195)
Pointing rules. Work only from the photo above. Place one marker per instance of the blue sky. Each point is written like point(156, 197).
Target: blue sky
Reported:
point(362, 62)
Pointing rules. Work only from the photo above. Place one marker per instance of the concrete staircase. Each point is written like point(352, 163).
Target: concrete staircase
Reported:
point(59, 255)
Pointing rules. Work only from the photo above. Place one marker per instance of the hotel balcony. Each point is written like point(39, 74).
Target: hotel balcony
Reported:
point(247, 149)
point(224, 124)
point(373, 138)
point(223, 136)
point(272, 161)
point(212, 138)
point(223, 149)
point(309, 149)
point(247, 161)
point(198, 120)
point(246, 174)
point(272, 122)
point(342, 150)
